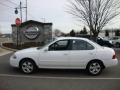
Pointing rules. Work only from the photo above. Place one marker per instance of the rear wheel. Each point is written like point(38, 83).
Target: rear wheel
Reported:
point(27, 66)
point(94, 68)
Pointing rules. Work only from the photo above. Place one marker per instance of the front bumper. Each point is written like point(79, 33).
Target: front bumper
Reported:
point(14, 62)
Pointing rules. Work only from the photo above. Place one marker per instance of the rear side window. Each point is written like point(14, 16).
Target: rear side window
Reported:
point(81, 45)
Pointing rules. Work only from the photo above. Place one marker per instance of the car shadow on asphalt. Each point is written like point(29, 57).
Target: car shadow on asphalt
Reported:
point(62, 72)
point(52, 72)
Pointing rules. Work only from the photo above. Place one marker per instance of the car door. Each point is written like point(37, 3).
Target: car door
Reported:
point(81, 53)
point(57, 55)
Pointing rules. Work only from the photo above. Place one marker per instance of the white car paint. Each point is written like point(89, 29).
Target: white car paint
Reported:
point(68, 59)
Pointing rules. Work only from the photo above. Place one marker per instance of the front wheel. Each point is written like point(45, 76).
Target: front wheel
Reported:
point(94, 68)
point(27, 66)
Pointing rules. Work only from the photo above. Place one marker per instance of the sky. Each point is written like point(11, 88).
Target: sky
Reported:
point(44, 11)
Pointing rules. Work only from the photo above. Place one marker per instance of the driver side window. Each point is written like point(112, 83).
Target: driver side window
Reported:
point(59, 45)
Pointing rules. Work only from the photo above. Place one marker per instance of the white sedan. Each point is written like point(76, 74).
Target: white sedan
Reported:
point(65, 53)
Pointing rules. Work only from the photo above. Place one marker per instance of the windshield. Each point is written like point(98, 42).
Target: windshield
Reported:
point(51, 41)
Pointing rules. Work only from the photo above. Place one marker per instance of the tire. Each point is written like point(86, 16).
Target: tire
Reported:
point(27, 66)
point(117, 45)
point(94, 68)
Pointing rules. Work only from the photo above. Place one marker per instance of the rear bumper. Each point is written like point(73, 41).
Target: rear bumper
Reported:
point(113, 62)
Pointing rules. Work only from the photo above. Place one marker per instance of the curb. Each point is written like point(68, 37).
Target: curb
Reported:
point(14, 50)
point(2, 54)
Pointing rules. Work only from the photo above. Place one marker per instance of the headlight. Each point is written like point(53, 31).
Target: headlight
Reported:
point(14, 56)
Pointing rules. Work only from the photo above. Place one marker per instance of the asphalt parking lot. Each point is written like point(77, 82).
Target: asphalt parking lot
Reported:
point(13, 79)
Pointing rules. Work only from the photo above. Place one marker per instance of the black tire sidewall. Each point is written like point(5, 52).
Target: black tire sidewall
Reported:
point(117, 45)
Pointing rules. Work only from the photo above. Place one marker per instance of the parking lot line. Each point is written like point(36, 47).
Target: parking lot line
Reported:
point(44, 77)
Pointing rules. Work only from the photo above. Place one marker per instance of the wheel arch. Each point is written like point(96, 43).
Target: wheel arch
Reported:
point(23, 59)
point(96, 60)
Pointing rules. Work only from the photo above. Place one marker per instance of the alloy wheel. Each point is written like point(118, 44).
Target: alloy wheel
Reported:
point(27, 67)
point(95, 68)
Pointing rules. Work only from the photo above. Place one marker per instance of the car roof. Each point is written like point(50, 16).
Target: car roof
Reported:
point(61, 38)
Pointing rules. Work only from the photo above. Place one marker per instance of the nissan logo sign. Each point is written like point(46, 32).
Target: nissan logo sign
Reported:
point(32, 32)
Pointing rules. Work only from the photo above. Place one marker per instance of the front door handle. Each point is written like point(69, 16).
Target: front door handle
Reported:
point(91, 53)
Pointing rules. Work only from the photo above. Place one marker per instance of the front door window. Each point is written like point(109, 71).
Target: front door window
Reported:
point(60, 45)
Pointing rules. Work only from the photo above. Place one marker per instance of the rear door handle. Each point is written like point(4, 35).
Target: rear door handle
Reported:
point(65, 54)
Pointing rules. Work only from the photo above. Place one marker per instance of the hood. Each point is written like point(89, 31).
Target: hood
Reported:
point(27, 50)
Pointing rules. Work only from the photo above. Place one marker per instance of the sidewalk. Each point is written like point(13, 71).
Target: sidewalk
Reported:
point(4, 51)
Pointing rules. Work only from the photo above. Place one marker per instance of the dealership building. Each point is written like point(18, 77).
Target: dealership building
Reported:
point(32, 32)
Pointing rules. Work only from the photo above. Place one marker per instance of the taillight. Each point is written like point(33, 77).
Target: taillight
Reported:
point(114, 56)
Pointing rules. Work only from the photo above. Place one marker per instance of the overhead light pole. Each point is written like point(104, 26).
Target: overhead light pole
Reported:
point(26, 9)
point(90, 19)
point(21, 10)
point(21, 7)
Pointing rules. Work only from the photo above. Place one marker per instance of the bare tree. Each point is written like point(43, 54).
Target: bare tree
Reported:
point(57, 32)
point(72, 33)
point(84, 31)
point(107, 33)
point(94, 13)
